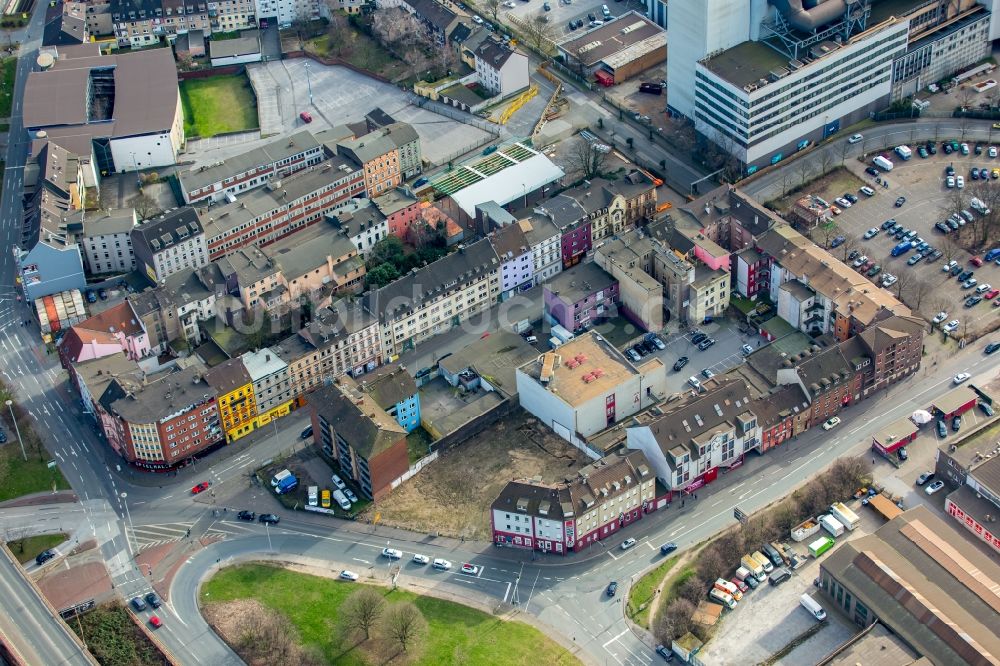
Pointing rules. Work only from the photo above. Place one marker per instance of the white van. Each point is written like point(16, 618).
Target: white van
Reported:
point(814, 608)
point(882, 163)
point(606, 12)
point(341, 500)
point(694, 383)
point(313, 495)
point(279, 477)
point(723, 598)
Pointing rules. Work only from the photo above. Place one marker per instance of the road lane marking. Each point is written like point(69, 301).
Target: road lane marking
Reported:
point(624, 631)
point(611, 556)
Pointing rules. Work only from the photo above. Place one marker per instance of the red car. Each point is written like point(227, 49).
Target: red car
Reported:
point(740, 585)
point(976, 261)
point(991, 294)
point(200, 488)
point(155, 622)
point(306, 117)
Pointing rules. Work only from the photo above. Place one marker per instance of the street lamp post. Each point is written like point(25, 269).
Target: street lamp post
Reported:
point(10, 406)
point(309, 84)
point(128, 515)
point(135, 167)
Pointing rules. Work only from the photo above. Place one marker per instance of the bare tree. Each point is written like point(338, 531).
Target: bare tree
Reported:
point(145, 206)
point(538, 33)
point(825, 162)
point(493, 8)
point(692, 589)
point(950, 248)
point(850, 243)
point(827, 232)
point(711, 564)
point(803, 168)
point(404, 626)
point(965, 94)
point(903, 280)
point(918, 292)
point(361, 611)
point(674, 621)
point(587, 158)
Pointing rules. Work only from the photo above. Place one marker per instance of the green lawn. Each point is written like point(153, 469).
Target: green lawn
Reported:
point(457, 634)
point(418, 444)
point(217, 105)
point(25, 550)
point(640, 596)
point(9, 70)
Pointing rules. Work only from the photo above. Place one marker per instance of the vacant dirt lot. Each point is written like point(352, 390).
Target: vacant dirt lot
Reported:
point(830, 186)
point(453, 494)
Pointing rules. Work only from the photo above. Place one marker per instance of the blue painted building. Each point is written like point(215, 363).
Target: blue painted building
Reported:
point(393, 389)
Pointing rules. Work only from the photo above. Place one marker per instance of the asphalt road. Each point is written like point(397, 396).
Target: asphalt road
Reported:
point(29, 628)
point(774, 183)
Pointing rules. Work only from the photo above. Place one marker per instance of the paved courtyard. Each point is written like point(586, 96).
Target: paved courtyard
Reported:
point(339, 95)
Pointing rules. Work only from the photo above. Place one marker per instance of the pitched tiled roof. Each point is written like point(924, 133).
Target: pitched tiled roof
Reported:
point(389, 385)
point(116, 319)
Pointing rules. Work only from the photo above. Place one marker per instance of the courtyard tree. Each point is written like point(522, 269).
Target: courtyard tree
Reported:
point(493, 9)
point(918, 292)
point(538, 32)
point(587, 158)
point(145, 206)
point(674, 621)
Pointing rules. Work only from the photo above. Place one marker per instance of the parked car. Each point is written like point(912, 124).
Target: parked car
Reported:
point(986, 409)
point(934, 487)
point(698, 337)
point(838, 241)
point(973, 301)
point(924, 478)
point(992, 347)
point(831, 423)
point(939, 317)
point(443, 565)
point(871, 233)
point(44, 556)
point(420, 559)
point(705, 344)
point(657, 342)
point(888, 224)
point(950, 265)
point(680, 363)
point(855, 138)
point(663, 650)
point(942, 429)
point(900, 201)
point(707, 373)
point(956, 422)
point(306, 117)
point(628, 543)
point(348, 575)
point(951, 326)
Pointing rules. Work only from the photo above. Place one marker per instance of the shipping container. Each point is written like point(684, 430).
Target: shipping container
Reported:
point(807, 528)
point(831, 525)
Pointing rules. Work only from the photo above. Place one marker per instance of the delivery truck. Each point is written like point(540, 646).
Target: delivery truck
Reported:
point(747, 577)
point(882, 163)
point(845, 516)
point(755, 567)
point(820, 546)
point(831, 525)
point(904, 152)
point(287, 485)
point(764, 562)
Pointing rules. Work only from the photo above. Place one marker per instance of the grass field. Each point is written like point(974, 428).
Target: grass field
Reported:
point(8, 69)
point(641, 595)
point(25, 550)
point(457, 634)
point(19, 477)
point(218, 105)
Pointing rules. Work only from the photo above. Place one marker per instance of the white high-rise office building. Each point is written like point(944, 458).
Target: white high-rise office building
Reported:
point(697, 28)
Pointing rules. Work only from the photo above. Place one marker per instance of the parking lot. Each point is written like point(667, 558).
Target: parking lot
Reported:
point(720, 357)
point(562, 12)
point(927, 202)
